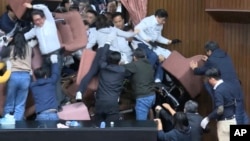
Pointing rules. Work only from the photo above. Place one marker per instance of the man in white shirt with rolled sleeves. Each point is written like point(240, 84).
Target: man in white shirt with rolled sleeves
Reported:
point(46, 33)
point(151, 32)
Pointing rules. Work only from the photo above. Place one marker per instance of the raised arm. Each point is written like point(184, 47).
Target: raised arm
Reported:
point(104, 54)
point(126, 34)
point(30, 34)
point(169, 108)
point(42, 7)
point(54, 68)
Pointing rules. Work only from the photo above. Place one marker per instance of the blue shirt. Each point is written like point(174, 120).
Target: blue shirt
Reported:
point(44, 91)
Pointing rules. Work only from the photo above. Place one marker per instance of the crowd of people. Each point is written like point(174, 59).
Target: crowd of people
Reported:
point(123, 51)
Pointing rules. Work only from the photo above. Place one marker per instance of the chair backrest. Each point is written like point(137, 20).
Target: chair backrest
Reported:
point(178, 66)
point(71, 31)
point(17, 7)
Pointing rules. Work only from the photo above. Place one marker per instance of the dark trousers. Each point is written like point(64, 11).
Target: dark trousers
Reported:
point(61, 97)
point(106, 110)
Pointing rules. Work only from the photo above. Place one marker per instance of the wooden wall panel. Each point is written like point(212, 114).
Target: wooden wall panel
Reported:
point(189, 22)
point(2, 6)
point(238, 46)
point(228, 4)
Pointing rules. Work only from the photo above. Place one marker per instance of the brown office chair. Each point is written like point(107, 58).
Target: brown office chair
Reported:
point(71, 30)
point(17, 7)
point(19, 10)
point(178, 66)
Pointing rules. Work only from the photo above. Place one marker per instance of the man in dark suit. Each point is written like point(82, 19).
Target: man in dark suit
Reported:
point(224, 105)
point(217, 58)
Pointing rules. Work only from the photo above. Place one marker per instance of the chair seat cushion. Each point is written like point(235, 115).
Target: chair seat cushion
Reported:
point(75, 111)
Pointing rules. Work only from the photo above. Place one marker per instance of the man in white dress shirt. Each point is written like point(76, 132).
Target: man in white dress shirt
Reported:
point(122, 43)
point(46, 33)
point(151, 32)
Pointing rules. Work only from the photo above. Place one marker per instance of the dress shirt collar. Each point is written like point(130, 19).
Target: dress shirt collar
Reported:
point(218, 83)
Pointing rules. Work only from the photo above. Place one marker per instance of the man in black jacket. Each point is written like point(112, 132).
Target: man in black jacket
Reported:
point(111, 78)
point(217, 58)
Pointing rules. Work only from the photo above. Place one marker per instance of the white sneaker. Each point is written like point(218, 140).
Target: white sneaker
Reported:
point(78, 96)
point(8, 120)
point(157, 80)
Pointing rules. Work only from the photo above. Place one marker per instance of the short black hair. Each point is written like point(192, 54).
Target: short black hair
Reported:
point(211, 45)
point(8, 8)
point(85, 1)
point(161, 13)
point(37, 12)
point(116, 14)
point(191, 106)
point(40, 72)
point(180, 121)
point(74, 7)
point(114, 57)
point(61, 9)
point(139, 53)
point(64, 2)
point(128, 27)
point(213, 73)
point(92, 12)
point(116, 2)
point(102, 22)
